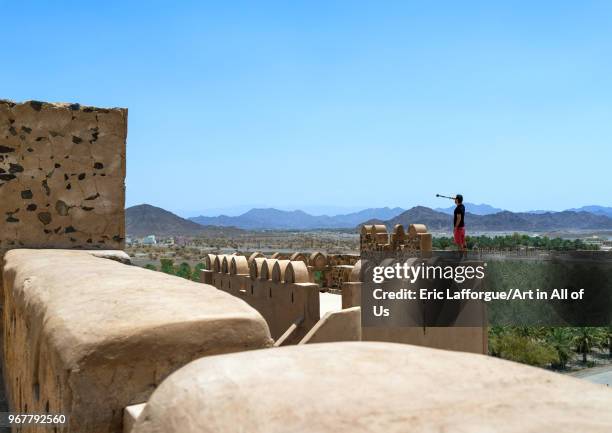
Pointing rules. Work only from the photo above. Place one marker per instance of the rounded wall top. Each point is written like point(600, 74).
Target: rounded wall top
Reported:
point(239, 265)
point(297, 272)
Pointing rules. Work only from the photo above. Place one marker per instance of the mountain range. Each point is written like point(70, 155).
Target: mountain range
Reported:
point(597, 210)
point(262, 219)
point(145, 219)
point(485, 209)
point(477, 209)
point(506, 221)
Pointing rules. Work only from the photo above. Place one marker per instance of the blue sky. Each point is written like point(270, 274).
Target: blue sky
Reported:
point(334, 106)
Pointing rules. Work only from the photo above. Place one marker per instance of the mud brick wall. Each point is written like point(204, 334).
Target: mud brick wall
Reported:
point(371, 387)
point(86, 336)
point(62, 171)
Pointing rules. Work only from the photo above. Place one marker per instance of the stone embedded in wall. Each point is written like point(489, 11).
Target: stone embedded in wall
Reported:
point(62, 171)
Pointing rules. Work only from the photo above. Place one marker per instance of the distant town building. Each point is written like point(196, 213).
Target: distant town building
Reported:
point(181, 241)
point(149, 240)
point(167, 242)
point(593, 240)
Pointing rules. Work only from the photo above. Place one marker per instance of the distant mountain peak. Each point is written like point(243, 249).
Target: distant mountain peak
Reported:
point(272, 218)
point(145, 219)
point(595, 209)
point(506, 221)
point(476, 209)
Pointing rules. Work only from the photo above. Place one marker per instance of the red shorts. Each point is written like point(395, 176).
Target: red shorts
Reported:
point(459, 235)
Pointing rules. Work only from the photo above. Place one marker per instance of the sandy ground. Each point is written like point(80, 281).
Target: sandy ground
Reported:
point(329, 302)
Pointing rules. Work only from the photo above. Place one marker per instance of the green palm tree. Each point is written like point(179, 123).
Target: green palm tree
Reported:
point(496, 334)
point(561, 340)
point(167, 266)
point(184, 271)
point(585, 338)
point(607, 334)
point(195, 275)
point(536, 332)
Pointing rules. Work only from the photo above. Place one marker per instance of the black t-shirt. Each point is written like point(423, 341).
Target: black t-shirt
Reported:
point(459, 210)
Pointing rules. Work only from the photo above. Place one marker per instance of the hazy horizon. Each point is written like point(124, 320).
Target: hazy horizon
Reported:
point(319, 210)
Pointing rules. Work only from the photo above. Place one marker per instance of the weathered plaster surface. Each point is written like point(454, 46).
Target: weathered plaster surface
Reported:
point(371, 387)
point(62, 170)
point(87, 336)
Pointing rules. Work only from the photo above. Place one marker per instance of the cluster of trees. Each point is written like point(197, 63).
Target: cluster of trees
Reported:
point(550, 347)
point(184, 270)
point(516, 240)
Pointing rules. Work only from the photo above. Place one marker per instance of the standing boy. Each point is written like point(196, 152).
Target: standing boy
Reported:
point(459, 223)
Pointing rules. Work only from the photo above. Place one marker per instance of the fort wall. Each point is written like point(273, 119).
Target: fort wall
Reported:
point(371, 387)
point(86, 336)
point(282, 291)
point(62, 171)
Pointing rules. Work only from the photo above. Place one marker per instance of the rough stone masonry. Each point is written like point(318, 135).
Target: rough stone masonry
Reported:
point(62, 171)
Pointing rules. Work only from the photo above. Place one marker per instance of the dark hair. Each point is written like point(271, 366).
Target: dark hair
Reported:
point(459, 198)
